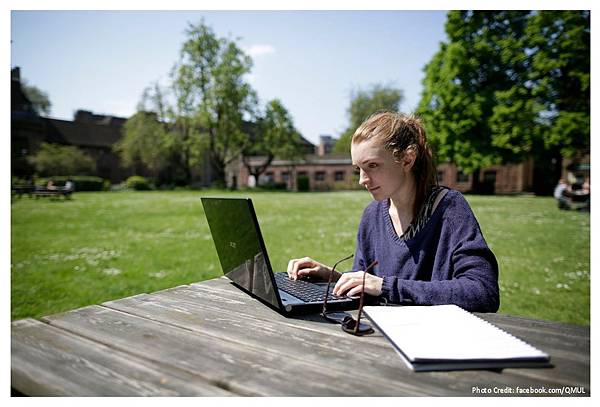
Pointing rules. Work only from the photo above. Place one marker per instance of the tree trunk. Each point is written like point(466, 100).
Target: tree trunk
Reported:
point(218, 171)
point(257, 170)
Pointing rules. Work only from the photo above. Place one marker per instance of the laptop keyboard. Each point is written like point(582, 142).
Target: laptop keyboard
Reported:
point(304, 290)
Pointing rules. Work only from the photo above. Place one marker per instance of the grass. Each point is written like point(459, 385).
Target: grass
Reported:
point(103, 246)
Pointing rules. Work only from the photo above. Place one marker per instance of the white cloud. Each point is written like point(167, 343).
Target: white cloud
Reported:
point(259, 49)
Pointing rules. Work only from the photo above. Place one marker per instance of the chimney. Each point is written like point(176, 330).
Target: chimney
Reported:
point(83, 116)
point(15, 74)
point(326, 143)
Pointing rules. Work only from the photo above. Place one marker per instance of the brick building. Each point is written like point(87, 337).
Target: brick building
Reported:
point(92, 133)
point(327, 172)
point(333, 171)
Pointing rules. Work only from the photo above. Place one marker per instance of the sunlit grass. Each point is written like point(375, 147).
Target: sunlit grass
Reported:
point(103, 246)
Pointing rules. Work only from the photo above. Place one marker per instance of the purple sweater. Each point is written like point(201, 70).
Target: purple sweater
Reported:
point(446, 262)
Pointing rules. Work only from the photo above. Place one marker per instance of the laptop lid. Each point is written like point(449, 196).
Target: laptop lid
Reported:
point(240, 247)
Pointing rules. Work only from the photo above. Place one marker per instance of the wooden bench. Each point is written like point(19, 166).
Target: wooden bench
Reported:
point(57, 192)
point(210, 339)
point(19, 190)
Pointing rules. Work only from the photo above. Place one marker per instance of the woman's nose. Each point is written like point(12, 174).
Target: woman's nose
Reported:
point(362, 180)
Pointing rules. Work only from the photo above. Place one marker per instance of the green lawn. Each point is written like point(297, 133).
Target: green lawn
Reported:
point(103, 246)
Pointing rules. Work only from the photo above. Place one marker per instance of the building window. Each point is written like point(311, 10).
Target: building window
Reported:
point(440, 177)
point(339, 175)
point(301, 174)
point(266, 178)
point(489, 177)
point(320, 176)
point(285, 176)
point(462, 177)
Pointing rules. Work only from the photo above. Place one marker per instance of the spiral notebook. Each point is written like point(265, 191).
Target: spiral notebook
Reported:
point(446, 337)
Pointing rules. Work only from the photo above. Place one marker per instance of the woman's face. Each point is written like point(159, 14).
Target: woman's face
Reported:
point(380, 173)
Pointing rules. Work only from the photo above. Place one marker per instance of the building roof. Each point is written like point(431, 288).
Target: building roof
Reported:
point(85, 134)
point(310, 159)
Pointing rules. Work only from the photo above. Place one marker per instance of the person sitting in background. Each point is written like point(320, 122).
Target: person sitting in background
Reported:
point(50, 185)
point(587, 189)
point(68, 188)
point(561, 194)
point(583, 196)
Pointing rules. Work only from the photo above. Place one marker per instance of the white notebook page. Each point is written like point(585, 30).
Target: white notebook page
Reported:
point(447, 332)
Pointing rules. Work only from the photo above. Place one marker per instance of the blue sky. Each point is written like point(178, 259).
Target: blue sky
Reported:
point(310, 60)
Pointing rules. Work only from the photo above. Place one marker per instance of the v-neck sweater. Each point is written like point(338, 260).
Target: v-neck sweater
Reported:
point(446, 262)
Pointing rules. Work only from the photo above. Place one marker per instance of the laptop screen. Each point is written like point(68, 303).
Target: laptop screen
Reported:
point(238, 243)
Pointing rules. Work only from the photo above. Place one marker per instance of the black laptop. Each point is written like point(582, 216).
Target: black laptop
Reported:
point(243, 256)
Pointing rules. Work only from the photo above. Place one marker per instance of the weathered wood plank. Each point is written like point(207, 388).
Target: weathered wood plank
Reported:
point(47, 361)
point(557, 336)
point(210, 336)
point(245, 304)
point(568, 346)
point(295, 340)
point(245, 370)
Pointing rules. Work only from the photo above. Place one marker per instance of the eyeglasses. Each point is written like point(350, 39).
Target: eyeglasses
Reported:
point(337, 317)
point(349, 324)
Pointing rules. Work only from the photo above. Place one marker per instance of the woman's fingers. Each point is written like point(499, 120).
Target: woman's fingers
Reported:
point(355, 291)
point(307, 271)
point(347, 282)
point(297, 265)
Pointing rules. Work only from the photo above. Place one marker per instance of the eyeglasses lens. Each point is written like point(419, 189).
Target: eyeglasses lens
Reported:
point(350, 326)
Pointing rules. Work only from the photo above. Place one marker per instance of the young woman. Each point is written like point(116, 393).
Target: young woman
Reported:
point(428, 243)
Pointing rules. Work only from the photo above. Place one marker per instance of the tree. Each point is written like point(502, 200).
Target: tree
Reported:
point(275, 136)
point(212, 98)
point(54, 159)
point(145, 140)
point(497, 91)
point(38, 98)
point(363, 103)
point(559, 43)
point(200, 114)
point(482, 59)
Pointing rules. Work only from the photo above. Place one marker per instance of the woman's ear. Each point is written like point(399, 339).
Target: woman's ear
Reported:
point(409, 157)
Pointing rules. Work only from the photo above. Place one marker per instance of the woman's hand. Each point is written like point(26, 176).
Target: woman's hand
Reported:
point(351, 284)
point(307, 267)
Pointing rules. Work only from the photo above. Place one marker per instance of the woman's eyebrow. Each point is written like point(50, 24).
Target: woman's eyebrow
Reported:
point(368, 160)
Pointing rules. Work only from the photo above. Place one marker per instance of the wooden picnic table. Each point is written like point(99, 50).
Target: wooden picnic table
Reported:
point(211, 339)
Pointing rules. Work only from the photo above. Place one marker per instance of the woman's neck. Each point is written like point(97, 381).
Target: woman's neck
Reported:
point(402, 202)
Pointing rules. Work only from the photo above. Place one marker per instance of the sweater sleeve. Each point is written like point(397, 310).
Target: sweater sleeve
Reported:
point(472, 269)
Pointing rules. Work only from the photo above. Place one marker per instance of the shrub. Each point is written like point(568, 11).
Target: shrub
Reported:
point(273, 186)
point(303, 184)
point(57, 159)
point(138, 183)
point(18, 181)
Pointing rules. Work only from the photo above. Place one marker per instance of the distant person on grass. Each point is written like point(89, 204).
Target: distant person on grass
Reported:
point(50, 185)
point(562, 193)
point(428, 243)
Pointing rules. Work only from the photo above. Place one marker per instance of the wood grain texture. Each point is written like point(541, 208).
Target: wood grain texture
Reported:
point(49, 361)
point(210, 338)
point(246, 370)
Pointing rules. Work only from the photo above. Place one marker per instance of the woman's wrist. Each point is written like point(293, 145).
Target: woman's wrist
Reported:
point(377, 286)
